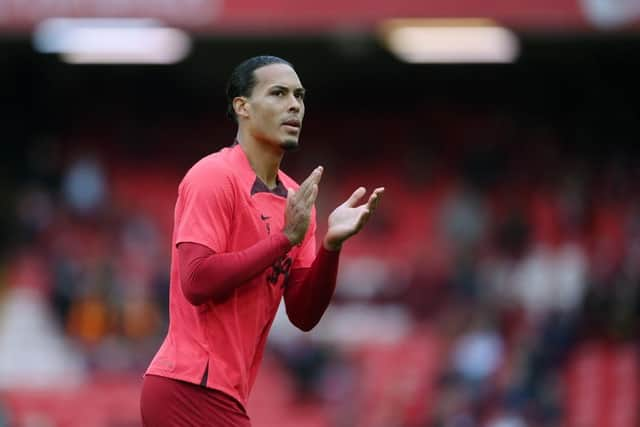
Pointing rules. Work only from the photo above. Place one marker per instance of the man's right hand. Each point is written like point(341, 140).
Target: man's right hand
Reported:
point(299, 205)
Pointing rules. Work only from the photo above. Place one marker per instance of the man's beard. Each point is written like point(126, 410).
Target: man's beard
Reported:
point(290, 145)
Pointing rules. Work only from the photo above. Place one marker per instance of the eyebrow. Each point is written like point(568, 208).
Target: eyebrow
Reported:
point(296, 90)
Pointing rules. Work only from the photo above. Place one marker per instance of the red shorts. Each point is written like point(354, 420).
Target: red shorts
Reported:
point(166, 402)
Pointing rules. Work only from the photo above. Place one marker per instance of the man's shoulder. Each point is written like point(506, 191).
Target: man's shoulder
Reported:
point(212, 166)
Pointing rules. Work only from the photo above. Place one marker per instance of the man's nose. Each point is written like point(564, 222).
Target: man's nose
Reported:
point(295, 104)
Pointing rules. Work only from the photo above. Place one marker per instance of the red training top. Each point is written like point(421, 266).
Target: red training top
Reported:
point(226, 216)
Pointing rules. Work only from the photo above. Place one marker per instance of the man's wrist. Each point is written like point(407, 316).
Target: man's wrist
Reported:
point(285, 240)
point(331, 245)
point(290, 237)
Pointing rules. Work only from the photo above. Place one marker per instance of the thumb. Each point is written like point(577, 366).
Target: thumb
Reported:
point(357, 195)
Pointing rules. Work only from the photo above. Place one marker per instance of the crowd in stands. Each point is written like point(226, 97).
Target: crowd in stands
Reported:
point(500, 275)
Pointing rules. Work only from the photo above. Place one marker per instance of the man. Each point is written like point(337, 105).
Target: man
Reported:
point(244, 238)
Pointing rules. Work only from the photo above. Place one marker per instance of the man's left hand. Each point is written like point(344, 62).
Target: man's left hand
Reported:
point(348, 219)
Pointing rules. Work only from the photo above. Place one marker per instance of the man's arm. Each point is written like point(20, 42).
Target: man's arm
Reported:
point(206, 275)
point(309, 290)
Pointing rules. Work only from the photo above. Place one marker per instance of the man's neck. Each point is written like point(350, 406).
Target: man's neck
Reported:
point(264, 158)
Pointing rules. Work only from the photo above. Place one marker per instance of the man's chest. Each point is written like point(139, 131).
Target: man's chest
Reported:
point(260, 216)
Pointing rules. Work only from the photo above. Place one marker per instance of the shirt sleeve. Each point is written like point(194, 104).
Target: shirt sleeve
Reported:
point(309, 290)
point(307, 252)
point(205, 208)
point(206, 275)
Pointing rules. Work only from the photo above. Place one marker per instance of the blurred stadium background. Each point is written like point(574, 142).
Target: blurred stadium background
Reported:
point(497, 286)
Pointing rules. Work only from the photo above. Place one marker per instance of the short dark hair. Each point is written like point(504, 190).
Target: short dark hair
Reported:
point(243, 79)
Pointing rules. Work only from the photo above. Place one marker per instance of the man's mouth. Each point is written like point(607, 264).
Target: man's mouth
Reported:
point(293, 123)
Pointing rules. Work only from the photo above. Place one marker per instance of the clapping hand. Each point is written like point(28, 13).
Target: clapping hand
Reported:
point(299, 205)
point(349, 218)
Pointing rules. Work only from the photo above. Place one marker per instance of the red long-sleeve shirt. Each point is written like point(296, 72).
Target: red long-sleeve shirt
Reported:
point(206, 275)
point(231, 267)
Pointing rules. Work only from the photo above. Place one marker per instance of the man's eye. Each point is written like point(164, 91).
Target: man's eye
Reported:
point(278, 93)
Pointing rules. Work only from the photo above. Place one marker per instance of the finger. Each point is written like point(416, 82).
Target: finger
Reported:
point(315, 181)
point(313, 178)
point(311, 197)
point(318, 176)
point(374, 199)
point(305, 184)
point(364, 217)
point(357, 195)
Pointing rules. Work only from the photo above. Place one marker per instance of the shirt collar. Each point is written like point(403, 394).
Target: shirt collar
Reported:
point(256, 184)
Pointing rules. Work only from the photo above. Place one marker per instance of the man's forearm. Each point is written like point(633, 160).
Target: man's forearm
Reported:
point(206, 275)
point(310, 290)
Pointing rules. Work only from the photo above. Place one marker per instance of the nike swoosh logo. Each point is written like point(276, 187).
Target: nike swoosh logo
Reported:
point(263, 217)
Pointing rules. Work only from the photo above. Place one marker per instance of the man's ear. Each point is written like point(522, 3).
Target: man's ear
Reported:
point(241, 106)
